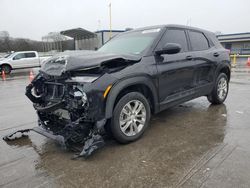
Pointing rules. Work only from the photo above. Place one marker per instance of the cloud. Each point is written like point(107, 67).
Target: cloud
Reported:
point(35, 18)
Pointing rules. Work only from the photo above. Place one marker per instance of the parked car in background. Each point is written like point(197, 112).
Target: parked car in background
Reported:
point(20, 60)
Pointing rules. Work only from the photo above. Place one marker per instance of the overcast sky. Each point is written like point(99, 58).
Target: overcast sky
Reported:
point(35, 18)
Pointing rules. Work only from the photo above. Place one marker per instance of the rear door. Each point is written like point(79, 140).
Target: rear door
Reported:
point(175, 71)
point(204, 55)
point(32, 59)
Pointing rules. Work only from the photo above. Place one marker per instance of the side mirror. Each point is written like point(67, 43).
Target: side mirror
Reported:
point(169, 48)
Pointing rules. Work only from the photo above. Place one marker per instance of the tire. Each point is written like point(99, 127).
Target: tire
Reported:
point(129, 125)
point(6, 69)
point(220, 90)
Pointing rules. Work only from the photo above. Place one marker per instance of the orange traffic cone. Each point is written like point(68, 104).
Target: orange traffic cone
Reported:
point(248, 61)
point(3, 75)
point(31, 76)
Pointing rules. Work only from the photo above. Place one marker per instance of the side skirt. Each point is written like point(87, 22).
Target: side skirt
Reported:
point(185, 96)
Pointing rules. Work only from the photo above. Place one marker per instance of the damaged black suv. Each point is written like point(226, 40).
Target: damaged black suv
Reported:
point(78, 95)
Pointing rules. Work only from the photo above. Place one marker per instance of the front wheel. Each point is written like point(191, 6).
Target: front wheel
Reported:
point(220, 90)
point(130, 118)
point(6, 69)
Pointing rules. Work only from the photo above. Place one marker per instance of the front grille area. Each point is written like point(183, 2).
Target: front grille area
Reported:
point(54, 91)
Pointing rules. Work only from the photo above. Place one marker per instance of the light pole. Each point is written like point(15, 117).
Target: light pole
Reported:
point(110, 24)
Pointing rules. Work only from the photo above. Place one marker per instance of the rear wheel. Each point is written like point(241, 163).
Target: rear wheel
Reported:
point(130, 118)
point(6, 69)
point(220, 90)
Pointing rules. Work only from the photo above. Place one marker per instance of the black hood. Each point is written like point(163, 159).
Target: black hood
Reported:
point(80, 60)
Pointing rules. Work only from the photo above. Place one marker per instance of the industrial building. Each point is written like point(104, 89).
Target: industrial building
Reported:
point(237, 43)
point(87, 40)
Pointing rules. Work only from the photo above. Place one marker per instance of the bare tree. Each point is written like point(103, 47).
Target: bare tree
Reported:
point(54, 41)
point(5, 37)
point(4, 34)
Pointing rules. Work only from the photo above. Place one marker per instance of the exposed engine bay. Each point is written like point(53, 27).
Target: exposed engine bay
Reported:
point(62, 110)
point(68, 104)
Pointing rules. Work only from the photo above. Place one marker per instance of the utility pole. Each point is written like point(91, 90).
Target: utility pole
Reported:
point(99, 25)
point(110, 24)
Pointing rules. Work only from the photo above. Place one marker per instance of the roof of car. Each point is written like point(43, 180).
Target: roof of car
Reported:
point(24, 51)
point(171, 25)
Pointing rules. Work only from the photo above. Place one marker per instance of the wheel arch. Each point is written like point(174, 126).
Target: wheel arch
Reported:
point(7, 65)
point(142, 84)
point(225, 69)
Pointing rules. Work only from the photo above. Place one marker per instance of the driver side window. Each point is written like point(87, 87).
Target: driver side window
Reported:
point(19, 56)
point(175, 36)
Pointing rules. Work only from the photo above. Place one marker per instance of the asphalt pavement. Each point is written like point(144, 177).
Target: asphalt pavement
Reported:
point(194, 144)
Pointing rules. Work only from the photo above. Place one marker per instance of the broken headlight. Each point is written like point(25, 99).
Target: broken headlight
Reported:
point(79, 97)
point(85, 79)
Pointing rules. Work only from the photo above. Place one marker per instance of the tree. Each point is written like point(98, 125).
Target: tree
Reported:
point(5, 37)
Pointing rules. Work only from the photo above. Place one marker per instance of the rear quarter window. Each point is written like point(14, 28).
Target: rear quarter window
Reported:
point(198, 41)
point(30, 55)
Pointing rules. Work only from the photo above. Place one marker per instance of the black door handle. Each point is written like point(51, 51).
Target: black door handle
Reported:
point(189, 57)
point(216, 54)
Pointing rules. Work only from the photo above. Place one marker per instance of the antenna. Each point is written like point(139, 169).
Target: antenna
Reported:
point(189, 22)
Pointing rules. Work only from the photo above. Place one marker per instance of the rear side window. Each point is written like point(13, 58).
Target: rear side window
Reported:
point(30, 55)
point(198, 41)
point(175, 36)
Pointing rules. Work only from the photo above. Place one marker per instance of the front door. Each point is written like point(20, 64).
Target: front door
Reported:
point(18, 61)
point(175, 71)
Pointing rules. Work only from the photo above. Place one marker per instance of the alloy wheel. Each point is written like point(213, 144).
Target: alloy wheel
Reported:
point(222, 88)
point(132, 118)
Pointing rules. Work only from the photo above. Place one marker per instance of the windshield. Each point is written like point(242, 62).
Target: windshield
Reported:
point(131, 42)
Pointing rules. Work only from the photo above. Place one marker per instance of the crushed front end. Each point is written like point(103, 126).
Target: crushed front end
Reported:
point(69, 97)
point(64, 111)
